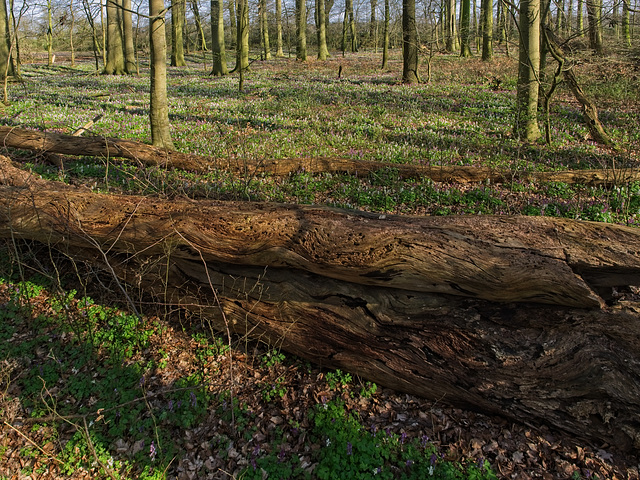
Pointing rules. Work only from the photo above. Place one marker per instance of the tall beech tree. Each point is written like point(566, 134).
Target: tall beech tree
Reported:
point(218, 50)
point(487, 30)
point(158, 105)
point(323, 51)
point(409, 43)
point(594, 19)
point(127, 32)
point(178, 13)
point(115, 63)
point(279, 52)
point(465, 28)
point(526, 124)
point(264, 28)
point(7, 67)
point(349, 28)
point(301, 30)
point(201, 42)
point(385, 44)
point(242, 36)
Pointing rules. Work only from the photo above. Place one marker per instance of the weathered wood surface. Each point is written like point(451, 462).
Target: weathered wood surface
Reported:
point(450, 308)
point(57, 143)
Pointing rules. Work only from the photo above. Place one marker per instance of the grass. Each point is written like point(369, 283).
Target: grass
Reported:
point(291, 110)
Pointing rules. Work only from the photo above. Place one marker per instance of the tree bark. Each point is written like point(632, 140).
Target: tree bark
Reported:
point(301, 30)
point(178, 12)
point(526, 125)
point(115, 64)
point(409, 43)
point(159, 104)
point(127, 30)
point(498, 314)
point(487, 30)
point(6, 61)
point(323, 51)
point(58, 143)
point(218, 48)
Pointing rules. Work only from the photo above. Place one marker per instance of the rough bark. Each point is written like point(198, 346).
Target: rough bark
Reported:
point(158, 104)
point(115, 64)
point(178, 12)
point(6, 60)
point(58, 143)
point(218, 48)
point(526, 125)
point(421, 304)
point(409, 43)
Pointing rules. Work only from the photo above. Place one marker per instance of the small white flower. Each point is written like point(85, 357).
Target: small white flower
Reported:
point(431, 470)
point(328, 442)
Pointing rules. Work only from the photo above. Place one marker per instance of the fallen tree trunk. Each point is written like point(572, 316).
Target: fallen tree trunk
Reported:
point(57, 143)
point(500, 314)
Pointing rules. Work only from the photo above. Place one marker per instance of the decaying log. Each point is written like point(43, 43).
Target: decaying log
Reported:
point(58, 143)
point(500, 314)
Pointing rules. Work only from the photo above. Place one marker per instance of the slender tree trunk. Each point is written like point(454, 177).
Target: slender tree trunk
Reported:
point(301, 30)
point(580, 18)
point(115, 43)
point(279, 52)
point(16, 42)
point(177, 29)
point(7, 67)
point(73, 24)
point(352, 27)
point(217, 39)
point(487, 30)
point(626, 17)
point(465, 21)
point(385, 44)
point(451, 40)
point(159, 104)
point(96, 44)
point(264, 23)
point(201, 42)
point(323, 51)
point(242, 37)
point(568, 27)
point(103, 24)
point(409, 43)
point(373, 25)
point(526, 127)
point(233, 22)
point(594, 17)
point(127, 30)
point(49, 34)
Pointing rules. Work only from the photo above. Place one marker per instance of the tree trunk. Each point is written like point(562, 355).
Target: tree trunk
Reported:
point(526, 127)
point(451, 36)
point(409, 43)
point(594, 20)
point(279, 52)
point(49, 34)
point(178, 12)
point(115, 64)
point(57, 143)
point(498, 314)
point(6, 60)
point(385, 44)
point(265, 29)
point(323, 51)
point(242, 37)
point(233, 22)
point(201, 42)
point(159, 105)
point(127, 30)
point(465, 26)
point(301, 30)
point(218, 50)
point(487, 30)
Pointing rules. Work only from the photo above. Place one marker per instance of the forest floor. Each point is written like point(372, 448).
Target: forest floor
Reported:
point(88, 391)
